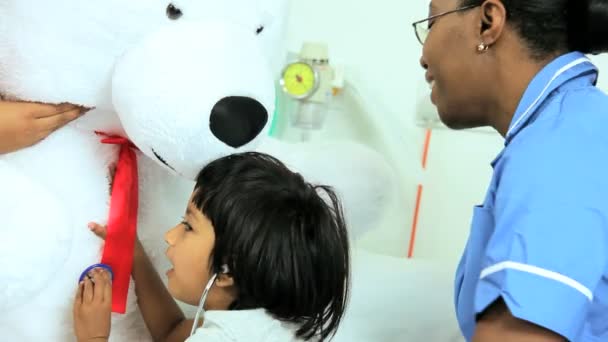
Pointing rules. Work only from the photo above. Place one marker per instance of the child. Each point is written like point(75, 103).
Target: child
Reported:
point(273, 255)
point(22, 124)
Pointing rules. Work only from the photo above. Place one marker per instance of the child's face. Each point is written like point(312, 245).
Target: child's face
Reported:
point(190, 245)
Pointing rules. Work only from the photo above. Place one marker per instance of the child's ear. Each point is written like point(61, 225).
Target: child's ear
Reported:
point(224, 280)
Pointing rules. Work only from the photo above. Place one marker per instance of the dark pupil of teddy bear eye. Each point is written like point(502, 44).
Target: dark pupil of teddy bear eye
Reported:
point(173, 12)
point(259, 30)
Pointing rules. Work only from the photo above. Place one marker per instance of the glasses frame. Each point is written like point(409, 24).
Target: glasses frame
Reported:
point(416, 23)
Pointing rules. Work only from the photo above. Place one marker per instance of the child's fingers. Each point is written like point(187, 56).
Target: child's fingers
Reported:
point(78, 299)
point(97, 229)
point(107, 295)
point(102, 282)
point(87, 296)
point(98, 287)
point(107, 290)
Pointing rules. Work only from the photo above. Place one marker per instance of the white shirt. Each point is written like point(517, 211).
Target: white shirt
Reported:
point(243, 325)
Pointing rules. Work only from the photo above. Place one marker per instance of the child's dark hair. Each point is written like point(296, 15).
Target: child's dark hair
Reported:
point(286, 248)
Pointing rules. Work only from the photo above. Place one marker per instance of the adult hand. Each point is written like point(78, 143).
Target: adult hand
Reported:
point(23, 124)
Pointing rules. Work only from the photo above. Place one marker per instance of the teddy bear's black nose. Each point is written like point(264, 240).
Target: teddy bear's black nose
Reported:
point(237, 120)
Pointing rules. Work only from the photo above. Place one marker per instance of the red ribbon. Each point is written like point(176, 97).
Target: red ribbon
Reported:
point(122, 222)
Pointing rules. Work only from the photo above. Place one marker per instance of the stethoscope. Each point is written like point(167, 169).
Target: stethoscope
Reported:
point(200, 311)
point(85, 273)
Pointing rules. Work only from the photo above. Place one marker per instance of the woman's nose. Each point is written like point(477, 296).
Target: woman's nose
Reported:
point(171, 235)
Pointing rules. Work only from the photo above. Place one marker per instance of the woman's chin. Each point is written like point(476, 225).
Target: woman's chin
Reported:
point(444, 116)
point(456, 123)
point(450, 121)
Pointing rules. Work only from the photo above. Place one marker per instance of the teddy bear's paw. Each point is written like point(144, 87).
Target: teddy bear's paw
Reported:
point(35, 235)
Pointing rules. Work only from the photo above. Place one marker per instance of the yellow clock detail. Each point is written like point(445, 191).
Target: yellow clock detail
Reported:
point(299, 80)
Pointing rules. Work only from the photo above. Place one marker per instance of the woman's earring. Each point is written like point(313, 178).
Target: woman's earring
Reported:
point(482, 47)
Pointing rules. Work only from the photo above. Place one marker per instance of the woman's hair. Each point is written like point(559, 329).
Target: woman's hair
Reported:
point(550, 26)
point(286, 247)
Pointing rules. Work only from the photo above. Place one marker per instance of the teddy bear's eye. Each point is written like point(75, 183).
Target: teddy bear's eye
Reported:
point(173, 12)
point(259, 29)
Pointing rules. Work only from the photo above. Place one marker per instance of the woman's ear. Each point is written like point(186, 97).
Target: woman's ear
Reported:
point(493, 21)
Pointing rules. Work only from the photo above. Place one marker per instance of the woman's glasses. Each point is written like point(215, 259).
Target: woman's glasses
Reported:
point(422, 31)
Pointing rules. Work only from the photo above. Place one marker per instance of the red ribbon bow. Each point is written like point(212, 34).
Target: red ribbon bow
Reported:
point(122, 222)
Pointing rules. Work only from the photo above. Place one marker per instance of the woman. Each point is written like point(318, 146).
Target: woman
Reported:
point(535, 267)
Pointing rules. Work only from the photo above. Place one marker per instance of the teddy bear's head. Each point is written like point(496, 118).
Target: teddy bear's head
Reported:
point(186, 80)
point(202, 100)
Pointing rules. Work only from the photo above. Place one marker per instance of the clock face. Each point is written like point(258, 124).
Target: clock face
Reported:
point(299, 80)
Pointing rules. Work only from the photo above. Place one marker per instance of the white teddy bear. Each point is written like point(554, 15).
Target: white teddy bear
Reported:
point(186, 81)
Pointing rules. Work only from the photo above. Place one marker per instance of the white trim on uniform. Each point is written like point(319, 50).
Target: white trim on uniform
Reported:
point(557, 74)
point(539, 272)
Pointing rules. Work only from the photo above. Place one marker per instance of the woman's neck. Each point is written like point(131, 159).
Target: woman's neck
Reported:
point(513, 78)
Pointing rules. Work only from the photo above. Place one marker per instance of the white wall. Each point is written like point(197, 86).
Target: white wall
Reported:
point(375, 41)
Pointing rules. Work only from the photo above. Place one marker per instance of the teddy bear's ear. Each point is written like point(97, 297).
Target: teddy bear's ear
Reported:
point(271, 30)
point(174, 12)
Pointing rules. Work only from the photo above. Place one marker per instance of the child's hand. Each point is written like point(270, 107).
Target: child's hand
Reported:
point(102, 232)
point(23, 124)
point(99, 230)
point(93, 307)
